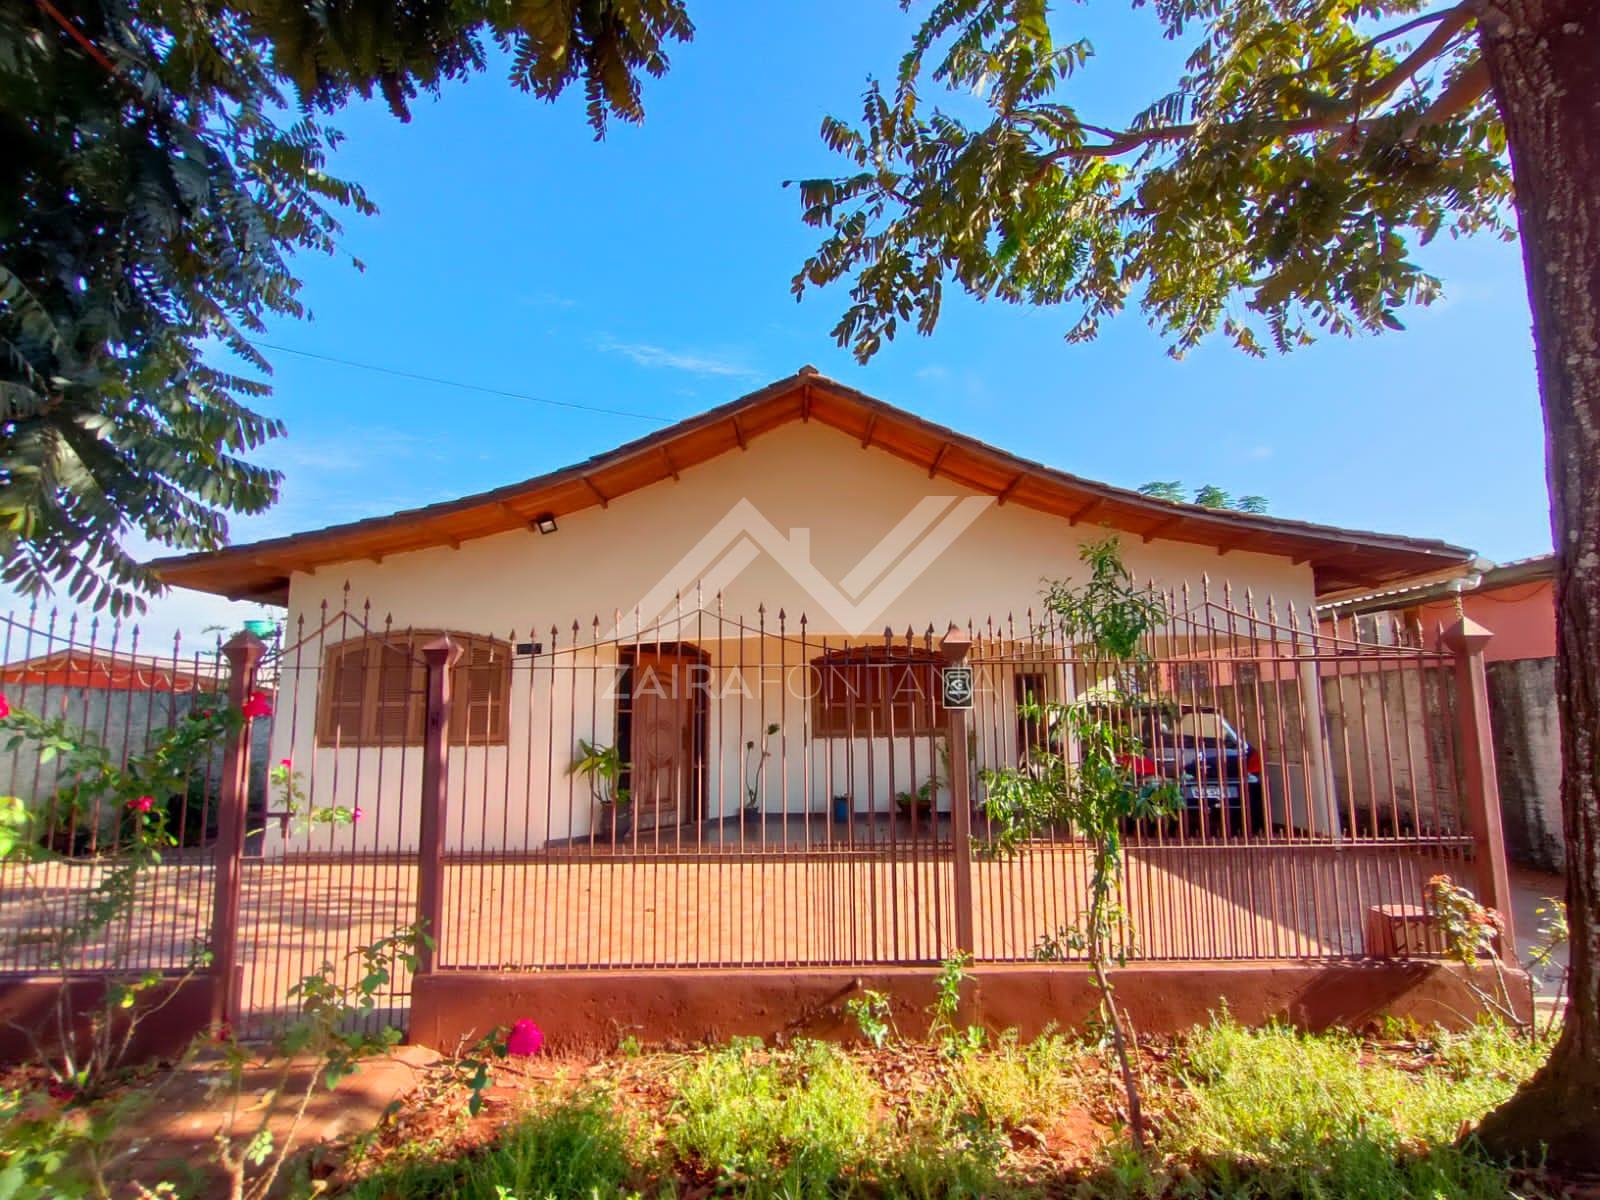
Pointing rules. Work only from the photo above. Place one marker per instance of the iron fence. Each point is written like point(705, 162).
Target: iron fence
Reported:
point(712, 788)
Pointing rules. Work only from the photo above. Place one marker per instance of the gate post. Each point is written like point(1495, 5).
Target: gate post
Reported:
point(243, 652)
point(1466, 639)
point(441, 655)
point(956, 647)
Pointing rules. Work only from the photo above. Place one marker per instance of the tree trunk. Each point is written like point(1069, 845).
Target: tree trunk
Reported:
point(1544, 65)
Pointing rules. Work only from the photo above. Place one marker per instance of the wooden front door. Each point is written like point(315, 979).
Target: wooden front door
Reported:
point(664, 736)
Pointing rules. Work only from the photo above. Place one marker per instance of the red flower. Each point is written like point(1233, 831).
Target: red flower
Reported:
point(142, 803)
point(5, 708)
point(526, 1039)
point(285, 763)
point(259, 704)
point(57, 1090)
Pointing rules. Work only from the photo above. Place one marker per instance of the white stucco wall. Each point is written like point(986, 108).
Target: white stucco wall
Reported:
point(886, 546)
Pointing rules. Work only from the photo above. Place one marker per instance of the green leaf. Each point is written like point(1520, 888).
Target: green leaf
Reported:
point(259, 1148)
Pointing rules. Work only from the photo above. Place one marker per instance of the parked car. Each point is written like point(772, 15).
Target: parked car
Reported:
point(1217, 772)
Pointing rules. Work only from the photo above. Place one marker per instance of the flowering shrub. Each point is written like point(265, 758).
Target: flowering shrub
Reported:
point(526, 1039)
point(1470, 930)
point(1471, 933)
point(100, 804)
point(298, 812)
point(257, 705)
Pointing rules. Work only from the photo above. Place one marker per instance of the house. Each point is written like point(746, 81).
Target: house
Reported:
point(1516, 600)
point(715, 694)
point(804, 501)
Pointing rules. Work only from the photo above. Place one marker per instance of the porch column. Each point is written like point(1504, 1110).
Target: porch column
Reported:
point(956, 646)
point(441, 656)
point(1466, 638)
point(243, 652)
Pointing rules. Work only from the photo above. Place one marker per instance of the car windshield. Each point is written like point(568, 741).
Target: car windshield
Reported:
point(1202, 723)
point(1155, 728)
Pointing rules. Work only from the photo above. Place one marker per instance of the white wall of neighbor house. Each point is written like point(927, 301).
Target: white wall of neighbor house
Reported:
point(804, 521)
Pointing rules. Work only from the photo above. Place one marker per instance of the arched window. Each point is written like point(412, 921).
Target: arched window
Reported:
point(374, 691)
point(877, 691)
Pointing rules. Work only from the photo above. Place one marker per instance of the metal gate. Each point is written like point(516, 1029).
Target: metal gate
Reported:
point(329, 864)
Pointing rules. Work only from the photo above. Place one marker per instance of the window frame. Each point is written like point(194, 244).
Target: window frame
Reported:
point(878, 716)
point(406, 646)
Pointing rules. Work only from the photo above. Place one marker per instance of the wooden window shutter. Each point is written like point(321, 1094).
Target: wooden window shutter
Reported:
point(375, 691)
point(873, 692)
point(345, 692)
point(398, 692)
point(480, 691)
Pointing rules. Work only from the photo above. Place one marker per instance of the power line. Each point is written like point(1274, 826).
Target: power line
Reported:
point(468, 387)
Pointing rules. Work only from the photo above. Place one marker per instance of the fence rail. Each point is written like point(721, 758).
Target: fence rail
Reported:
point(707, 788)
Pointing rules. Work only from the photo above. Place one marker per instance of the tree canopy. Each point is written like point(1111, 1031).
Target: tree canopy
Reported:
point(1277, 189)
point(1207, 495)
point(160, 165)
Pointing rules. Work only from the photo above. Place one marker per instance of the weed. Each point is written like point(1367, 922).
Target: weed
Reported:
point(776, 1123)
point(575, 1147)
point(872, 1015)
point(964, 1043)
point(953, 974)
point(1017, 1085)
point(1275, 1112)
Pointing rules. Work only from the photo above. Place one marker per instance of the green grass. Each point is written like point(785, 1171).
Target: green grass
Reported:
point(1019, 1084)
point(796, 1124)
point(574, 1147)
point(1272, 1112)
point(1241, 1113)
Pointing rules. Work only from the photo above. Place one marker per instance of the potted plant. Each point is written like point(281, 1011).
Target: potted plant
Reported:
point(754, 760)
point(603, 767)
point(921, 799)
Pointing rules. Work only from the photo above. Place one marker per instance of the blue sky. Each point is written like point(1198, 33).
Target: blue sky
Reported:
point(650, 273)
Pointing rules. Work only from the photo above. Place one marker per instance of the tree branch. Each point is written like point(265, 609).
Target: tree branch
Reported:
point(1449, 26)
point(89, 47)
point(1468, 86)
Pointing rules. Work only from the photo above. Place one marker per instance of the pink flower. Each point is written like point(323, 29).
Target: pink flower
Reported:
point(142, 804)
point(259, 704)
point(526, 1039)
point(285, 763)
point(5, 708)
point(356, 814)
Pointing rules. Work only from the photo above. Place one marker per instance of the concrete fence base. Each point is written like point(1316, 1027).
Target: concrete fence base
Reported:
point(39, 1012)
point(590, 1011)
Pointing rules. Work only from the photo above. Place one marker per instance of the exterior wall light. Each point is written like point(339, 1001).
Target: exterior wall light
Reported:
point(545, 523)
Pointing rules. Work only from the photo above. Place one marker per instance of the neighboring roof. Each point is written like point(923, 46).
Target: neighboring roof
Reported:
point(102, 670)
point(1487, 578)
point(1340, 558)
point(1519, 570)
